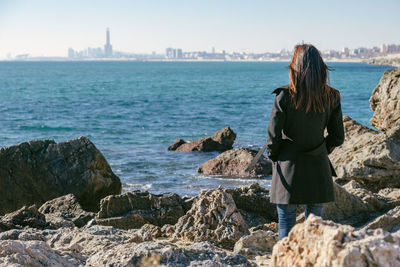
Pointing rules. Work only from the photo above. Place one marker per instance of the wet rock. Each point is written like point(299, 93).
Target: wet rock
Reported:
point(233, 163)
point(213, 217)
point(323, 243)
point(33, 253)
point(166, 254)
point(389, 221)
point(385, 101)
point(221, 141)
point(65, 211)
point(254, 205)
point(134, 209)
point(36, 171)
point(257, 243)
point(368, 157)
point(25, 216)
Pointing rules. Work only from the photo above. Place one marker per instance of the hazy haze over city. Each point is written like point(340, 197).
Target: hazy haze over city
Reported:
point(49, 28)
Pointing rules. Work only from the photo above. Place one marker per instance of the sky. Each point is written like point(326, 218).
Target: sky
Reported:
point(50, 27)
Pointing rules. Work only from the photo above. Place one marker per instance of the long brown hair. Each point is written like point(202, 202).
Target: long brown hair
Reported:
point(309, 80)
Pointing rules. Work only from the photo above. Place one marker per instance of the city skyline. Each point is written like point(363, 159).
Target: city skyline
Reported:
point(45, 28)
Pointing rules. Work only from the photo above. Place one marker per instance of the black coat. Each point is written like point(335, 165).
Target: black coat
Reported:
point(302, 172)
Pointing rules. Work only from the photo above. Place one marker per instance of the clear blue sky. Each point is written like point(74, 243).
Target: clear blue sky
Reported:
point(49, 27)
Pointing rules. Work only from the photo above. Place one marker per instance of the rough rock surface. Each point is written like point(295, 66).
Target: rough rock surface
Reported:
point(385, 101)
point(65, 211)
point(389, 221)
point(323, 243)
point(377, 202)
point(166, 254)
point(367, 156)
point(25, 216)
point(347, 208)
point(392, 195)
point(233, 163)
point(253, 203)
point(257, 243)
point(213, 217)
point(134, 209)
point(221, 141)
point(36, 171)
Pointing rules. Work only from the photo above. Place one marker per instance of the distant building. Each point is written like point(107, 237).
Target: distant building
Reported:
point(169, 52)
point(346, 51)
point(383, 48)
point(178, 53)
point(213, 50)
point(108, 47)
point(71, 53)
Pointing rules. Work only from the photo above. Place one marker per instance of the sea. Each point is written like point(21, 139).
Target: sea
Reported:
point(132, 111)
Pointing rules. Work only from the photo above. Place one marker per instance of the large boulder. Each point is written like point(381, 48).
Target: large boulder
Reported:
point(65, 211)
point(347, 208)
point(134, 209)
point(36, 171)
point(213, 217)
point(323, 243)
point(367, 156)
point(233, 163)
point(385, 101)
point(254, 205)
point(221, 141)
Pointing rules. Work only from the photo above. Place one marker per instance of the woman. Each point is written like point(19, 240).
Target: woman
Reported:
point(302, 172)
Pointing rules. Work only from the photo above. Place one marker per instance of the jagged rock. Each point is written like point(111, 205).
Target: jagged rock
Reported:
point(389, 221)
point(65, 211)
point(385, 101)
point(26, 234)
point(166, 254)
point(148, 231)
point(392, 195)
point(323, 243)
point(221, 141)
point(134, 209)
point(367, 156)
point(257, 243)
point(213, 217)
point(347, 208)
point(33, 253)
point(233, 163)
point(375, 200)
point(254, 205)
point(25, 216)
point(36, 171)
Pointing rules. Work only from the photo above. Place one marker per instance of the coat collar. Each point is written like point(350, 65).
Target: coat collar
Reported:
point(279, 89)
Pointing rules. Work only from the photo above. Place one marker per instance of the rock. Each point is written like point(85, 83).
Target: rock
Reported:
point(254, 205)
point(25, 216)
point(375, 200)
point(347, 208)
point(165, 254)
point(148, 231)
point(385, 101)
point(367, 156)
point(65, 211)
point(258, 243)
point(389, 221)
point(33, 253)
point(134, 209)
point(323, 243)
point(392, 195)
point(221, 141)
point(36, 171)
point(233, 163)
point(26, 234)
point(213, 217)
point(176, 144)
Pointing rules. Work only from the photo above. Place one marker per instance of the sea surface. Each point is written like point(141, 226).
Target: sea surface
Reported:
point(132, 111)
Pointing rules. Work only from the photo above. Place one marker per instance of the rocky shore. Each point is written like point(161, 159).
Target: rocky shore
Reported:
point(61, 205)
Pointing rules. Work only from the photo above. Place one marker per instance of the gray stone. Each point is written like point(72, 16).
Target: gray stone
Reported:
point(257, 243)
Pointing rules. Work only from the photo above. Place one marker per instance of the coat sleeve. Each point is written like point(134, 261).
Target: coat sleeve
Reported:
point(275, 126)
point(335, 129)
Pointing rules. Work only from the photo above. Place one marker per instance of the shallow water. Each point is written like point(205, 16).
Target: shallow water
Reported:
point(133, 110)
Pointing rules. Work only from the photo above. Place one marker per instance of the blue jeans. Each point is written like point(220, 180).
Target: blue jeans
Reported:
point(287, 216)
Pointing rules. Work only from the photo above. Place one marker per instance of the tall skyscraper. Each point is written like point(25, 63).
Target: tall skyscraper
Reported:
point(108, 46)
